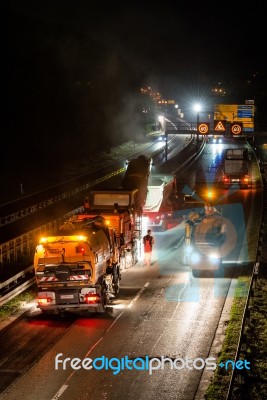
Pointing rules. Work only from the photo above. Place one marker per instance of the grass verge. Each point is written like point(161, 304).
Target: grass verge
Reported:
point(218, 388)
point(254, 382)
point(15, 304)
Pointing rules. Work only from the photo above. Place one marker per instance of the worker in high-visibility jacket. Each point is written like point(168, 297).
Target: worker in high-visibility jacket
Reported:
point(148, 242)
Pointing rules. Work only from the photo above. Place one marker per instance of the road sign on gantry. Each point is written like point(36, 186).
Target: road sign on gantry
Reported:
point(203, 128)
point(220, 126)
point(236, 128)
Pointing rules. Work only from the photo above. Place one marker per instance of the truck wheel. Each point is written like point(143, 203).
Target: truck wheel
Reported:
point(122, 263)
point(116, 286)
point(135, 257)
point(220, 271)
point(116, 280)
point(195, 273)
point(104, 298)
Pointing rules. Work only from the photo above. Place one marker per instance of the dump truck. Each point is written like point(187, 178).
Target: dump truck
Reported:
point(236, 168)
point(160, 202)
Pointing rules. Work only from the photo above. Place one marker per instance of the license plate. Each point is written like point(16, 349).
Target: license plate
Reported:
point(66, 296)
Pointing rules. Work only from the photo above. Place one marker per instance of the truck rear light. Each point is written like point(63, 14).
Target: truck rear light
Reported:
point(226, 180)
point(92, 298)
point(42, 301)
point(245, 180)
point(80, 249)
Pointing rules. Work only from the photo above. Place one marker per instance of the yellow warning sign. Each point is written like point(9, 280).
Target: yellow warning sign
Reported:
point(220, 126)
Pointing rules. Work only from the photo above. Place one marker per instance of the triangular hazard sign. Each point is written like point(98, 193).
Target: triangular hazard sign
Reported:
point(219, 127)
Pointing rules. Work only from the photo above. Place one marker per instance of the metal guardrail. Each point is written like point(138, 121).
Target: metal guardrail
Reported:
point(10, 294)
point(15, 292)
point(14, 279)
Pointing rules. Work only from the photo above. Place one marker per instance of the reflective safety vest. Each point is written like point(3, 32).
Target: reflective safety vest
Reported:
point(148, 243)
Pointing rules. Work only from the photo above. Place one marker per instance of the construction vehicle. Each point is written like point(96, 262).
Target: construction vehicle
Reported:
point(77, 268)
point(204, 240)
point(161, 201)
point(236, 168)
point(80, 267)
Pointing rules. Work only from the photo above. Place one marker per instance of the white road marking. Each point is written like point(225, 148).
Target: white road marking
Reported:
point(138, 295)
point(60, 392)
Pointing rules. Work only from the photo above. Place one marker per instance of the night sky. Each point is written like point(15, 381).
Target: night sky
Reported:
point(72, 69)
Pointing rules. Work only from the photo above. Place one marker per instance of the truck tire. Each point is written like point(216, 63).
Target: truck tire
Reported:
point(122, 263)
point(104, 298)
point(195, 273)
point(117, 287)
point(116, 282)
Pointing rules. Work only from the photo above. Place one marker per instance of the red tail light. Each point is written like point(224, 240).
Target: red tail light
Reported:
point(92, 298)
point(42, 301)
point(226, 180)
point(80, 249)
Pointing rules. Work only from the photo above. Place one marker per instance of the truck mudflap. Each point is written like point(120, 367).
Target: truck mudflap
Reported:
point(91, 299)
